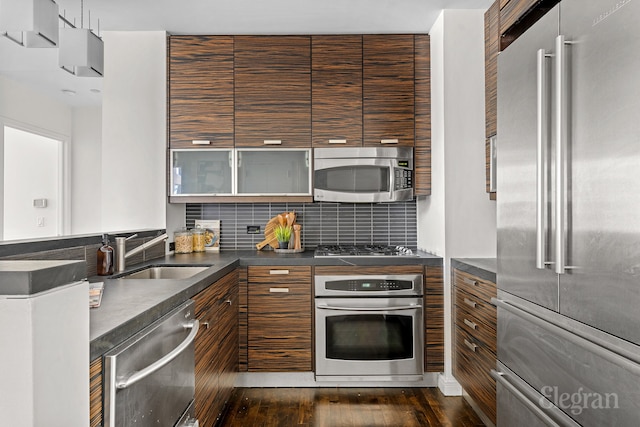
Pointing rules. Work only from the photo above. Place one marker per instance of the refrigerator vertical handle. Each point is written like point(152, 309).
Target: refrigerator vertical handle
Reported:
point(542, 143)
point(561, 110)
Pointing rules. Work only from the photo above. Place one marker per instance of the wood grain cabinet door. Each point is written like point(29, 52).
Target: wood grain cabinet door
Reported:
point(279, 319)
point(216, 347)
point(388, 89)
point(273, 91)
point(200, 85)
point(336, 88)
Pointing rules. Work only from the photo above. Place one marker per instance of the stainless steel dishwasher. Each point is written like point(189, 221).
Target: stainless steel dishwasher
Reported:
point(149, 378)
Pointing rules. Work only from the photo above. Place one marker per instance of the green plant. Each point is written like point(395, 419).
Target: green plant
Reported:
point(283, 233)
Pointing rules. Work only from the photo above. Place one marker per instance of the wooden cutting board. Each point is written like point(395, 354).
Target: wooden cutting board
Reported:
point(286, 218)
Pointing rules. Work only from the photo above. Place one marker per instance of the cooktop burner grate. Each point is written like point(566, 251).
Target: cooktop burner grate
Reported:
point(362, 251)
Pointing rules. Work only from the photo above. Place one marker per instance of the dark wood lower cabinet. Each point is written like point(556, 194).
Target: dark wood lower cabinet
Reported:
point(279, 319)
point(95, 393)
point(216, 347)
point(474, 350)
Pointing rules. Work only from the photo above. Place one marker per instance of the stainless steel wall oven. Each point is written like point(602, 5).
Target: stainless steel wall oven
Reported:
point(369, 328)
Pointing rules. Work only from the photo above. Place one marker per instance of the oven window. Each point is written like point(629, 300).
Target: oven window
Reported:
point(353, 179)
point(369, 337)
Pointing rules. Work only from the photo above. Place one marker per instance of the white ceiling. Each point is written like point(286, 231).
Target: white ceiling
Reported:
point(39, 69)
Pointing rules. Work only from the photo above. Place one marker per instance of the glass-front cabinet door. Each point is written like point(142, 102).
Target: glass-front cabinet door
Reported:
point(282, 172)
point(207, 172)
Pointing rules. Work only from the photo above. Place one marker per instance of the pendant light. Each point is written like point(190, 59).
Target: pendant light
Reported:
point(30, 23)
point(81, 51)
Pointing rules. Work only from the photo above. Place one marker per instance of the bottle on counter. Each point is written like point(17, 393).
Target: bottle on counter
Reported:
point(105, 258)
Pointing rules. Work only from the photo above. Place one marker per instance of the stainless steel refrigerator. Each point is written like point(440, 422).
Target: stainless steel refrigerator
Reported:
point(568, 217)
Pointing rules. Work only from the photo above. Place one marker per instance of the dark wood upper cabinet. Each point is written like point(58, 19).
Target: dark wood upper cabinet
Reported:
point(336, 90)
point(200, 86)
point(422, 159)
point(273, 91)
point(516, 16)
point(388, 89)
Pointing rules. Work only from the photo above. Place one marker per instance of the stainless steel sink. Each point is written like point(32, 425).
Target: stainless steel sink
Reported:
point(165, 272)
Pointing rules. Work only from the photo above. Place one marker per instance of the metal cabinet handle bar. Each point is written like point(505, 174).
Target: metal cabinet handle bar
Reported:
point(471, 345)
point(470, 303)
point(539, 412)
point(470, 324)
point(615, 355)
point(470, 281)
point(396, 308)
point(137, 376)
point(542, 128)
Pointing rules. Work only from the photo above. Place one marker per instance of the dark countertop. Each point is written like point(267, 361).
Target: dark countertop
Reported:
point(26, 277)
point(484, 268)
point(129, 305)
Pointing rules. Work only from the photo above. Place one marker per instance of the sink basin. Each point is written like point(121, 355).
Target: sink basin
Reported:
point(166, 272)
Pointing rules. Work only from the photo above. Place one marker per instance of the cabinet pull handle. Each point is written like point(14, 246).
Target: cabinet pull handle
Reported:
point(205, 324)
point(337, 141)
point(470, 303)
point(389, 141)
point(470, 281)
point(228, 301)
point(470, 345)
point(279, 290)
point(200, 142)
point(470, 324)
point(278, 271)
point(272, 142)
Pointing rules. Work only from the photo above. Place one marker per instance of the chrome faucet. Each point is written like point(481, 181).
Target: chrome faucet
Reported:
point(121, 248)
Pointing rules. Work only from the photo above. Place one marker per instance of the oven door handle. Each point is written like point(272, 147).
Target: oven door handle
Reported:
point(137, 376)
point(393, 308)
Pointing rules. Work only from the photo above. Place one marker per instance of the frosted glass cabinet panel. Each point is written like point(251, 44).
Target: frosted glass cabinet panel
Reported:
point(273, 172)
point(201, 172)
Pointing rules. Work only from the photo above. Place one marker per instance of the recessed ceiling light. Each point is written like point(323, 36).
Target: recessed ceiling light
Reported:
point(69, 92)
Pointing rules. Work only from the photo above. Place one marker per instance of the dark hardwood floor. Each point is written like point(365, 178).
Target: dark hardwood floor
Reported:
point(347, 407)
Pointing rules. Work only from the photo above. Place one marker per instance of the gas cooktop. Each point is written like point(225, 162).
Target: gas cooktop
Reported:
point(338, 251)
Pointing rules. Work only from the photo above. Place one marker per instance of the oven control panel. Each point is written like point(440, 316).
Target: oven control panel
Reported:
point(363, 285)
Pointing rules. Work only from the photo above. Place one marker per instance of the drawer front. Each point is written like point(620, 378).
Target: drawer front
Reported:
point(480, 288)
point(480, 308)
point(280, 275)
point(279, 324)
point(478, 327)
point(472, 371)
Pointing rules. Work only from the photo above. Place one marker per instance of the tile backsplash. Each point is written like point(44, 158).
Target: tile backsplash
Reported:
point(322, 223)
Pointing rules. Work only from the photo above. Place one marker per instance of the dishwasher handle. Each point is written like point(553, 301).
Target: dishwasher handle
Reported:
point(158, 364)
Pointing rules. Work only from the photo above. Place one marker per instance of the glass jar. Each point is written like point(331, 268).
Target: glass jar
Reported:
point(198, 239)
point(183, 240)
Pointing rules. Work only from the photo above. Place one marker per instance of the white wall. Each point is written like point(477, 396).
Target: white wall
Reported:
point(23, 108)
point(134, 130)
point(458, 220)
point(86, 171)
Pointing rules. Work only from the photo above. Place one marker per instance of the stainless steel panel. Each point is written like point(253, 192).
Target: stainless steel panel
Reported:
point(516, 175)
point(162, 397)
point(584, 381)
point(321, 281)
point(409, 369)
point(521, 405)
point(604, 177)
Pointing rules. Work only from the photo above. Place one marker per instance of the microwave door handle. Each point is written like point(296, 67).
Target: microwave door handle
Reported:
point(392, 180)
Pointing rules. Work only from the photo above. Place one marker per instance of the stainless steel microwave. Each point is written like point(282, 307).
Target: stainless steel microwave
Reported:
point(363, 174)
